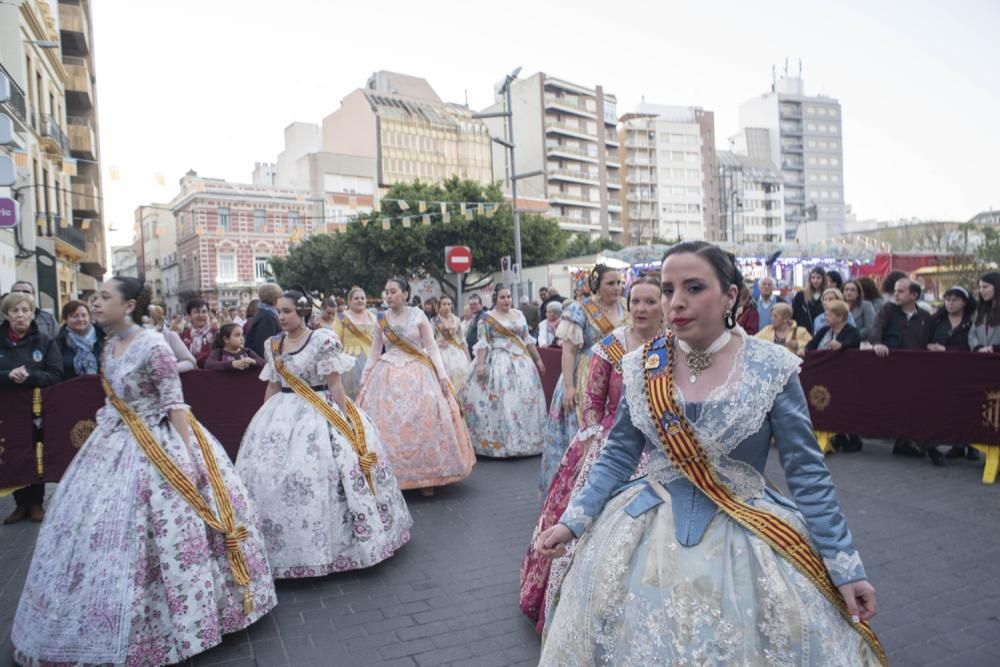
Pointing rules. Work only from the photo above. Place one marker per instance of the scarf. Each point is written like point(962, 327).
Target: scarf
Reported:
point(200, 338)
point(84, 360)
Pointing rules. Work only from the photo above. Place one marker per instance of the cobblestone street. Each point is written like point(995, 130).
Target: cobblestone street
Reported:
point(928, 536)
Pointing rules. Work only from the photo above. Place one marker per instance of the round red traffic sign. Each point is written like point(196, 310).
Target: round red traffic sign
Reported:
point(458, 259)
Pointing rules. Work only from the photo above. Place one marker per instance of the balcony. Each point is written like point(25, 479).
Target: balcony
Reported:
point(17, 104)
point(792, 164)
point(72, 236)
point(79, 86)
point(791, 114)
point(53, 138)
point(636, 161)
point(86, 199)
point(569, 151)
point(613, 160)
point(573, 199)
point(791, 148)
point(613, 182)
point(574, 131)
point(571, 105)
point(611, 139)
point(74, 29)
point(614, 204)
point(82, 141)
point(791, 130)
point(572, 175)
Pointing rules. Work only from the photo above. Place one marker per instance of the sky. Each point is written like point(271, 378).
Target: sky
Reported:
point(211, 85)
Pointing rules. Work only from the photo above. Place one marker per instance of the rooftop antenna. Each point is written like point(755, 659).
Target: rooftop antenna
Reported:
point(786, 67)
point(800, 68)
point(467, 97)
point(774, 77)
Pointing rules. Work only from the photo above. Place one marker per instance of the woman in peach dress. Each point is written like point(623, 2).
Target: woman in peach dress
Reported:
point(407, 393)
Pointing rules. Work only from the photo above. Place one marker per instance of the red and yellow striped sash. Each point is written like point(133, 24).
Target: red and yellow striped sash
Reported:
point(353, 328)
point(687, 455)
point(599, 319)
point(419, 355)
point(613, 350)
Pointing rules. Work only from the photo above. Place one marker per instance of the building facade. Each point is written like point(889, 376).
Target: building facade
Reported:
point(226, 235)
point(568, 132)
point(407, 132)
point(752, 195)
point(806, 143)
point(155, 240)
point(670, 174)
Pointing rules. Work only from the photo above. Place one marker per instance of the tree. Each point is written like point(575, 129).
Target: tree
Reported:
point(582, 245)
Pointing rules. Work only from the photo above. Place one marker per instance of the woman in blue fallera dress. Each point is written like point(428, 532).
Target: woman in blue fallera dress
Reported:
point(583, 324)
point(701, 563)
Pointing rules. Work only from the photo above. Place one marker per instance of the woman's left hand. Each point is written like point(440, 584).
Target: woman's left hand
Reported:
point(835, 345)
point(541, 367)
point(445, 386)
point(19, 374)
point(860, 599)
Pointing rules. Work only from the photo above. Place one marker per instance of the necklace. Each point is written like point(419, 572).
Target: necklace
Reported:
point(698, 360)
point(296, 340)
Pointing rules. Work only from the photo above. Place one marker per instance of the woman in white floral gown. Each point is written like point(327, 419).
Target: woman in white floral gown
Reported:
point(321, 511)
point(454, 350)
point(125, 570)
point(502, 396)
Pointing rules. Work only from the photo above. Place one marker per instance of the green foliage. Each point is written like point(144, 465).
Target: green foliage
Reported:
point(581, 245)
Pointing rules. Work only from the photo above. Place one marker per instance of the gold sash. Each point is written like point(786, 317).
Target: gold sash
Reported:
point(597, 318)
point(353, 328)
point(354, 432)
point(506, 333)
point(447, 334)
point(225, 523)
point(419, 355)
point(687, 455)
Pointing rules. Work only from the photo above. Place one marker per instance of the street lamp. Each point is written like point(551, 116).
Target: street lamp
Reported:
point(43, 43)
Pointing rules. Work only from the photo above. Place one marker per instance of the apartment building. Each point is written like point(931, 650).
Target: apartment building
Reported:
point(568, 133)
point(155, 240)
point(752, 195)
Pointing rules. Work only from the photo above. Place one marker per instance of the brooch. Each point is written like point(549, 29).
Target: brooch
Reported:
point(652, 361)
point(671, 423)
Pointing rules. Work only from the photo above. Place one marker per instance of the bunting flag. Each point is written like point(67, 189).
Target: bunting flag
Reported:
point(427, 219)
point(406, 221)
point(21, 159)
point(461, 208)
point(480, 209)
point(446, 218)
point(386, 225)
point(116, 174)
point(403, 205)
point(85, 225)
point(377, 206)
point(69, 167)
point(161, 181)
point(444, 208)
point(422, 206)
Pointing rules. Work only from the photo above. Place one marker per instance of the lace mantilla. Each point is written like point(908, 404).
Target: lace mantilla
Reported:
point(730, 415)
point(845, 566)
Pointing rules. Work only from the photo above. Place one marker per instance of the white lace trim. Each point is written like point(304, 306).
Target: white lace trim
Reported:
point(844, 566)
point(730, 415)
point(619, 334)
point(576, 519)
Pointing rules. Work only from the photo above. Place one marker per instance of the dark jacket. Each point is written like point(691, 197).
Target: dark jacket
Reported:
point(897, 331)
point(472, 335)
point(68, 352)
point(849, 338)
point(38, 353)
point(531, 315)
point(805, 312)
point(263, 326)
point(954, 340)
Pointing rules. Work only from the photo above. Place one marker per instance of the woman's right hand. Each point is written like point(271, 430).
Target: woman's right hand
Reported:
point(569, 399)
point(549, 542)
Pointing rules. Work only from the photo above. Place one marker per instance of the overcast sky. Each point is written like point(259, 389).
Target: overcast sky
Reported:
point(210, 86)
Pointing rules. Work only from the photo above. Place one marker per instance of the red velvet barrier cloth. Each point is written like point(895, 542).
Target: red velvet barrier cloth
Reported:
point(941, 396)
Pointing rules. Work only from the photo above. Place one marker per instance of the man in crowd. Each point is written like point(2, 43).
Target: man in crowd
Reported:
point(43, 319)
point(265, 321)
point(767, 299)
point(476, 308)
point(903, 325)
point(551, 294)
point(530, 311)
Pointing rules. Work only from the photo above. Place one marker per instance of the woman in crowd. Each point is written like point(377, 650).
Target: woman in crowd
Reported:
point(502, 396)
point(985, 333)
point(80, 341)
point(806, 305)
point(583, 323)
point(430, 307)
point(701, 562)
point(547, 328)
point(314, 463)
point(837, 333)
point(870, 293)
point(749, 317)
point(228, 352)
point(834, 280)
point(354, 327)
point(950, 328)
point(407, 392)
point(454, 350)
point(830, 295)
point(151, 550)
point(540, 577)
point(783, 330)
point(185, 360)
point(327, 316)
point(861, 311)
point(28, 358)
point(200, 332)
point(251, 311)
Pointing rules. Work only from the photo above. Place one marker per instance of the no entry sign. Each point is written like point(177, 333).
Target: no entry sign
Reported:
point(457, 259)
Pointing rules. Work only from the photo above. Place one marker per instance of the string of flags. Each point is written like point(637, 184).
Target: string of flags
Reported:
point(424, 214)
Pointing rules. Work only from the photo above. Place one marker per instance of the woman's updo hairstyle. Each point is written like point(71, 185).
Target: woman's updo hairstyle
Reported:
point(403, 283)
point(303, 308)
point(596, 276)
point(134, 289)
point(644, 279)
point(722, 262)
point(499, 288)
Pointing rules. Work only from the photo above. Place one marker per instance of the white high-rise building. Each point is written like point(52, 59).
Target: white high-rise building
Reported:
point(670, 173)
point(806, 143)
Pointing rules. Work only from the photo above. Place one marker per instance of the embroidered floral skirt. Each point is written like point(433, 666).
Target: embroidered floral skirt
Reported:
point(634, 596)
point(317, 512)
point(125, 572)
point(424, 433)
point(505, 410)
point(456, 364)
point(352, 379)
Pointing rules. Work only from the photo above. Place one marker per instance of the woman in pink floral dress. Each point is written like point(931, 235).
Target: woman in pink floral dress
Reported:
point(125, 570)
point(604, 390)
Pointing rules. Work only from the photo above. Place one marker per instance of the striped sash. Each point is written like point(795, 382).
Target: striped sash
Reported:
point(506, 333)
point(447, 334)
point(353, 328)
point(687, 455)
point(413, 351)
point(597, 318)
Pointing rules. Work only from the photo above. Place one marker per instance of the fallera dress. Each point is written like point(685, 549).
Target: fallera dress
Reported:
point(660, 576)
point(124, 570)
point(583, 324)
point(448, 334)
point(505, 411)
point(357, 340)
point(423, 431)
point(604, 389)
point(318, 514)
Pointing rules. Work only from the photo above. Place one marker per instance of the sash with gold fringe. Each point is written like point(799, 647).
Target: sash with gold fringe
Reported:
point(687, 455)
point(599, 319)
point(506, 333)
point(353, 328)
point(416, 353)
point(226, 522)
point(447, 334)
point(612, 350)
point(353, 431)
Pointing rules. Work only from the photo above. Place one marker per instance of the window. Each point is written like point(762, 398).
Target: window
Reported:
point(261, 269)
point(259, 219)
point(227, 268)
point(224, 219)
point(811, 127)
point(692, 140)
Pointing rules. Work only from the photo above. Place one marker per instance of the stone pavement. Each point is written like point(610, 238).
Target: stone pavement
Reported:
point(930, 539)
